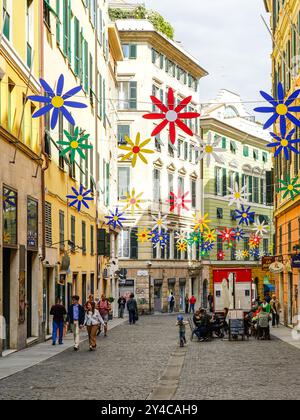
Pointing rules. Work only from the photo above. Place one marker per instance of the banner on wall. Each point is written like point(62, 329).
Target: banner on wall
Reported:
point(270, 263)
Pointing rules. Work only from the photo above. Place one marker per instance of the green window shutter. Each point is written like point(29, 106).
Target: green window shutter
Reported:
point(76, 47)
point(86, 67)
point(107, 245)
point(65, 26)
point(246, 151)
point(58, 22)
point(216, 181)
point(237, 178)
point(107, 183)
point(69, 32)
point(133, 244)
point(133, 95)
point(224, 182)
point(100, 99)
point(223, 142)
point(153, 55)
point(104, 103)
point(132, 51)
point(81, 68)
point(250, 188)
point(101, 236)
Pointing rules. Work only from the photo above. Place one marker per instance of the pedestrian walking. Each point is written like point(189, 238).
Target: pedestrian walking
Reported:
point(275, 311)
point(59, 312)
point(181, 323)
point(171, 301)
point(104, 308)
point(187, 303)
point(266, 305)
point(76, 318)
point(193, 301)
point(210, 300)
point(92, 321)
point(132, 309)
point(90, 300)
point(263, 320)
point(122, 305)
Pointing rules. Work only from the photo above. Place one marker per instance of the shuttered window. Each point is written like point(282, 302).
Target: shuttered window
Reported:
point(83, 228)
point(61, 230)
point(92, 233)
point(76, 47)
point(133, 244)
point(73, 222)
point(48, 223)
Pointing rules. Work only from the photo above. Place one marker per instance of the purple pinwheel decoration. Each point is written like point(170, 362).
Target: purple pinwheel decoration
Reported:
point(80, 198)
point(9, 199)
point(238, 234)
point(245, 215)
point(57, 101)
point(280, 108)
point(115, 219)
point(284, 142)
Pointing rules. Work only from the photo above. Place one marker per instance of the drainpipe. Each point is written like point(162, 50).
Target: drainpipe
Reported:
point(98, 279)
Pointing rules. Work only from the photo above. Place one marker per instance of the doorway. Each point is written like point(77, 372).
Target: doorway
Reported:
point(205, 294)
point(83, 289)
point(157, 297)
point(6, 296)
point(29, 294)
point(46, 300)
point(181, 295)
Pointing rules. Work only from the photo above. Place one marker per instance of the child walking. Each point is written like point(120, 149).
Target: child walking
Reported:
point(181, 324)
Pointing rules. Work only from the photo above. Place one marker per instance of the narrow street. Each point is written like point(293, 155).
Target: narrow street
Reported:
point(132, 364)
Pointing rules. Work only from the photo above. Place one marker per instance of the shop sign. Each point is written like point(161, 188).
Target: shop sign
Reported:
point(296, 261)
point(276, 267)
point(267, 262)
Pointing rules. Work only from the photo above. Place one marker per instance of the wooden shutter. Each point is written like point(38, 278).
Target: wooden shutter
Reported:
point(101, 236)
point(133, 244)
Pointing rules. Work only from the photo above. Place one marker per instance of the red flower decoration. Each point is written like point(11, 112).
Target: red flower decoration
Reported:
point(179, 201)
point(171, 115)
point(221, 255)
point(254, 241)
point(228, 235)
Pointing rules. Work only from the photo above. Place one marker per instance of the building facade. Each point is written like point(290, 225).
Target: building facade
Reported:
point(153, 64)
point(244, 161)
point(21, 172)
point(285, 24)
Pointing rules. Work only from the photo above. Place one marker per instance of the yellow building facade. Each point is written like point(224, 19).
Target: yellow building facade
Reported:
point(21, 172)
point(285, 26)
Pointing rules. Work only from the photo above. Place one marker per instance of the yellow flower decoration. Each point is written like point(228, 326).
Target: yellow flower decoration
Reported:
point(210, 235)
point(6, 238)
point(182, 246)
point(246, 254)
point(143, 235)
point(201, 223)
point(135, 150)
point(133, 201)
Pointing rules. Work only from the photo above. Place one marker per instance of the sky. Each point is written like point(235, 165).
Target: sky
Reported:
point(229, 39)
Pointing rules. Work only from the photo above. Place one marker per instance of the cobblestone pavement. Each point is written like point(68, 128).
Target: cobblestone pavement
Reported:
point(129, 363)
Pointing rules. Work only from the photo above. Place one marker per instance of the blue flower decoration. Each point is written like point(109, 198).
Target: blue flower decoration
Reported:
point(238, 234)
point(254, 252)
point(115, 219)
point(80, 198)
point(280, 108)
point(245, 215)
point(159, 239)
point(284, 142)
point(9, 199)
point(207, 246)
point(57, 101)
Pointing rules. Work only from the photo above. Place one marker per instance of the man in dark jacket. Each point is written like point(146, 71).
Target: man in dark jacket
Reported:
point(58, 311)
point(132, 309)
point(122, 304)
point(76, 317)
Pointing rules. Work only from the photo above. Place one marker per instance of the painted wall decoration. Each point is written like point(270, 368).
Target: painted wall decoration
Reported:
point(115, 219)
point(171, 115)
point(75, 143)
point(136, 150)
point(280, 108)
point(290, 187)
point(133, 201)
point(80, 198)
point(57, 102)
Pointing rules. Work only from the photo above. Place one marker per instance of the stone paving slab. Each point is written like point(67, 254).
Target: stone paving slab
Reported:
point(38, 353)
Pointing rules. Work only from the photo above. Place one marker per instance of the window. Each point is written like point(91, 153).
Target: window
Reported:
point(32, 223)
point(83, 229)
point(290, 237)
point(266, 246)
point(224, 182)
point(92, 233)
point(61, 136)
point(76, 47)
point(73, 239)
point(219, 243)
point(123, 181)
point(48, 223)
point(170, 184)
point(103, 242)
point(156, 186)
point(250, 188)
point(218, 183)
point(61, 230)
point(124, 244)
point(233, 147)
point(191, 152)
point(194, 194)
point(85, 64)
point(246, 247)
point(6, 19)
point(133, 244)
point(224, 143)
point(128, 95)
point(219, 213)
point(256, 190)
point(186, 151)
point(130, 51)
point(107, 184)
point(157, 141)
point(30, 31)
point(265, 157)
point(170, 149)
point(181, 185)
point(255, 154)
point(10, 116)
point(246, 151)
point(179, 148)
point(262, 192)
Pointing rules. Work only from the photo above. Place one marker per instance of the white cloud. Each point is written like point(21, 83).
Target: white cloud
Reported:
point(229, 39)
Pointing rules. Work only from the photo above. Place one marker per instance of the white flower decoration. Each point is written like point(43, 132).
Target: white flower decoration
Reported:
point(237, 196)
point(260, 228)
point(261, 254)
point(239, 255)
point(180, 237)
point(160, 222)
point(210, 150)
